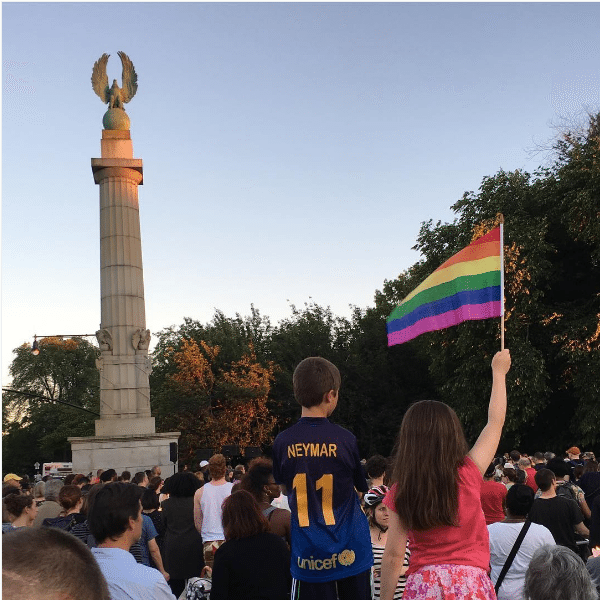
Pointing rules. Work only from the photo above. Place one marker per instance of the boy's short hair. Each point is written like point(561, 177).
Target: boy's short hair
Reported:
point(111, 506)
point(313, 378)
point(544, 479)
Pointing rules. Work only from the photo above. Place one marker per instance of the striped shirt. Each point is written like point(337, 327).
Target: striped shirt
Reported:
point(377, 556)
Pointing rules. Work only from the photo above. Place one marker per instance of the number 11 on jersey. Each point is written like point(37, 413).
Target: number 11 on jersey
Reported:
point(325, 484)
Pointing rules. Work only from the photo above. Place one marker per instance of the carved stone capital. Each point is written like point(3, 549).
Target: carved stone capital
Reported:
point(119, 172)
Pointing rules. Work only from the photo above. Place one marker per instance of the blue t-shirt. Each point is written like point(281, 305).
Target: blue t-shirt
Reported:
point(148, 533)
point(318, 462)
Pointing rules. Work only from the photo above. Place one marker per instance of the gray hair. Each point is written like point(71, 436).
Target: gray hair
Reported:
point(549, 455)
point(557, 573)
point(39, 489)
point(52, 488)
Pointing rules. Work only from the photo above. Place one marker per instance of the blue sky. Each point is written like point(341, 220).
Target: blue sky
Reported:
point(291, 150)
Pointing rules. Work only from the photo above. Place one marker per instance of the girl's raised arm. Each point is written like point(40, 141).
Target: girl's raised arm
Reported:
point(482, 453)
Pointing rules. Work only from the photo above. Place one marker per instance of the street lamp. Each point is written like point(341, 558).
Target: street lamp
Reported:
point(35, 348)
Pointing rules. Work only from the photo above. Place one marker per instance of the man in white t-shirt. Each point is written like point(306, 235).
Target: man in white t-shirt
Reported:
point(503, 535)
point(208, 501)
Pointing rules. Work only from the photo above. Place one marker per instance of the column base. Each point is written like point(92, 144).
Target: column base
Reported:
point(123, 453)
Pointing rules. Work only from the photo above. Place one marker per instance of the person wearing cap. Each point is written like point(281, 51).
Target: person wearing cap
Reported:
point(12, 479)
point(378, 517)
point(204, 469)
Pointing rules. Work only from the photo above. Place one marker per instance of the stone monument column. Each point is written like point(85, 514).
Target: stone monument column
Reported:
point(123, 337)
point(125, 438)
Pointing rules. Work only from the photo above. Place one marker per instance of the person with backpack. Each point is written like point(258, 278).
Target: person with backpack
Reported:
point(561, 515)
point(565, 488)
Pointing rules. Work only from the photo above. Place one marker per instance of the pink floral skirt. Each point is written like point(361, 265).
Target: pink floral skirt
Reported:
point(449, 582)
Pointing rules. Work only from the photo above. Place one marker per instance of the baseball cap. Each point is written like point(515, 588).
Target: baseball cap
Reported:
point(10, 476)
point(203, 463)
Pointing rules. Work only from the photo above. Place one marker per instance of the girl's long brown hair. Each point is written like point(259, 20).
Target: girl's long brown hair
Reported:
point(431, 446)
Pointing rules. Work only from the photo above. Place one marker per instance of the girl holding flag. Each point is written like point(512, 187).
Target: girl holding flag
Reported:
point(439, 511)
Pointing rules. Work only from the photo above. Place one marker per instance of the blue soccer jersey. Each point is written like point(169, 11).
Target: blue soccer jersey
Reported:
point(318, 462)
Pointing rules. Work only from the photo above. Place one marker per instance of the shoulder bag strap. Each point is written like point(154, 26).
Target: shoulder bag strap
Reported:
point(512, 555)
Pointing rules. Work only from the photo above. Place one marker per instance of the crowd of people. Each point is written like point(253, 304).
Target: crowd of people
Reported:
point(435, 520)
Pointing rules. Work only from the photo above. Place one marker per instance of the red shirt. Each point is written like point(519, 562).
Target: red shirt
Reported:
point(467, 544)
point(530, 481)
point(492, 494)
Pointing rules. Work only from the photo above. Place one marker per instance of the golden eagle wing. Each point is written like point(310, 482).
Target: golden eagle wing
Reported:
point(129, 78)
point(100, 78)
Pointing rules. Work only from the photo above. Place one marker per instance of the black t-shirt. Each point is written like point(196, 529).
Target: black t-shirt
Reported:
point(559, 515)
point(252, 568)
point(595, 523)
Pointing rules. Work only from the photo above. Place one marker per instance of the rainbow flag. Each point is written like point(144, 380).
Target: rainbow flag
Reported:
point(467, 287)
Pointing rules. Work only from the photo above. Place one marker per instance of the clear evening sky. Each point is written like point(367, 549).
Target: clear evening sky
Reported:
point(291, 150)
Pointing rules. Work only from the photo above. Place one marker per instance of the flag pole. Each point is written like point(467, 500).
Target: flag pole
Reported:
point(501, 218)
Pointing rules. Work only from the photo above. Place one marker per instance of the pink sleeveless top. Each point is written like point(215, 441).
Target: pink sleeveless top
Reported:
point(466, 544)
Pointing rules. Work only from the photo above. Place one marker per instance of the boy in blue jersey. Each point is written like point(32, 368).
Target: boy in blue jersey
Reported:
point(318, 465)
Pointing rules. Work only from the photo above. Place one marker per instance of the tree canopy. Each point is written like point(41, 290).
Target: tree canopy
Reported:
point(38, 421)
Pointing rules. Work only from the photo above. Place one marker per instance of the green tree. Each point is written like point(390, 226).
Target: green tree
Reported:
point(552, 288)
point(36, 430)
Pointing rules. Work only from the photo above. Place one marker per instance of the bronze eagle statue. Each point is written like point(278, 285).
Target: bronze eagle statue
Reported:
point(115, 96)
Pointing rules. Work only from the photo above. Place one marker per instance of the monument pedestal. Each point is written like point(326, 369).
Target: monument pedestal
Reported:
point(125, 452)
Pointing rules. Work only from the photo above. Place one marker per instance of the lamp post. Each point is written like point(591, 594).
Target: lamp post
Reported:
point(35, 348)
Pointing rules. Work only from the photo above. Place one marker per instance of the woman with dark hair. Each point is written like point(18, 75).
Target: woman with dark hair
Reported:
point(252, 564)
point(259, 482)
point(150, 506)
point(509, 477)
point(492, 495)
point(156, 484)
point(503, 535)
point(182, 544)
point(378, 517)
point(23, 510)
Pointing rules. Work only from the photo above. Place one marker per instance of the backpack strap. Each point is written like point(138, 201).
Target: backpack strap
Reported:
point(512, 554)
